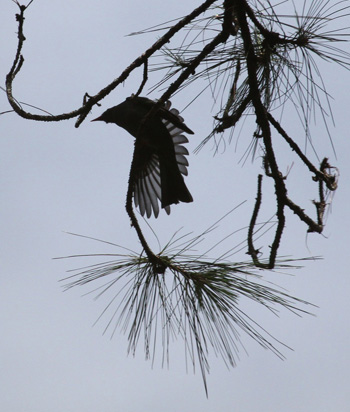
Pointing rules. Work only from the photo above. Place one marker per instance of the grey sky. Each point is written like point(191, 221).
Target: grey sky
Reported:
point(56, 178)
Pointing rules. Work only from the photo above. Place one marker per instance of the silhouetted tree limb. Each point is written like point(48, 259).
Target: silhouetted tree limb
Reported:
point(266, 63)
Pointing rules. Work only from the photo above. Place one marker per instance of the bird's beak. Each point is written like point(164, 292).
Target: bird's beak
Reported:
point(97, 118)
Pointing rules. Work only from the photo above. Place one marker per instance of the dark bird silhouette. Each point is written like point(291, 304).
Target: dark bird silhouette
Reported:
point(159, 155)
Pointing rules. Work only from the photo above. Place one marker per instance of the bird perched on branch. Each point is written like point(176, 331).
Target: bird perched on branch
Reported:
point(159, 156)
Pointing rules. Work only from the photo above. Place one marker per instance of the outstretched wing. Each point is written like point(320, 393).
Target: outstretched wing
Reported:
point(147, 188)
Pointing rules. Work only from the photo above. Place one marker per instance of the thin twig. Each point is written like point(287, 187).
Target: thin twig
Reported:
point(251, 249)
point(145, 78)
point(158, 264)
point(328, 179)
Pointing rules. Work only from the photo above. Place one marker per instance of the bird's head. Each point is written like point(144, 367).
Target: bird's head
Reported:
point(109, 116)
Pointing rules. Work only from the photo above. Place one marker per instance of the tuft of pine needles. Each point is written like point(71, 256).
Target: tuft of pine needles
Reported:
point(196, 299)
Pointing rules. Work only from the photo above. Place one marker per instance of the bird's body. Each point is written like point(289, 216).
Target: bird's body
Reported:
point(159, 157)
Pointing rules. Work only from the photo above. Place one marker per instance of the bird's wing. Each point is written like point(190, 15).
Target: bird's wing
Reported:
point(147, 188)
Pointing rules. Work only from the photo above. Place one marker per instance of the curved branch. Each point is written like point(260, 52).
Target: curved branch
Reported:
point(158, 264)
point(84, 110)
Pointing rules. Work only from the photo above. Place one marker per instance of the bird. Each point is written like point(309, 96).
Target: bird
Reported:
point(159, 155)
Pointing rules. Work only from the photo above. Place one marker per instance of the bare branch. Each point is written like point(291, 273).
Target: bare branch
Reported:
point(83, 111)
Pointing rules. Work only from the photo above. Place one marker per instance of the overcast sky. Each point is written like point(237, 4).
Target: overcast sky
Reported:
point(55, 179)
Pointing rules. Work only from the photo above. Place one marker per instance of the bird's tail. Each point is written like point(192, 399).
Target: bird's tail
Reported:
point(174, 189)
